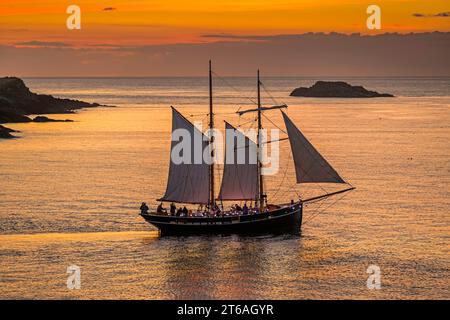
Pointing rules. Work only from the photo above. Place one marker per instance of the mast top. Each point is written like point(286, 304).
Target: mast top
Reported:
point(212, 197)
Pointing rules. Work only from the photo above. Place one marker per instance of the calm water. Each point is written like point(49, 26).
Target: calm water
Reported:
point(70, 191)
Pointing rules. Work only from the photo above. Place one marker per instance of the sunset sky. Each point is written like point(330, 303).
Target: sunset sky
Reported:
point(110, 25)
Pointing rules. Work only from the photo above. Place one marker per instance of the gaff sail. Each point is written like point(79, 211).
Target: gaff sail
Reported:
point(240, 174)
point(310, 165)
point(188, 181)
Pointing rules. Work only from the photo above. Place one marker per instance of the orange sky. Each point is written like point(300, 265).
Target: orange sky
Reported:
point(139, 22)
point(176, 37)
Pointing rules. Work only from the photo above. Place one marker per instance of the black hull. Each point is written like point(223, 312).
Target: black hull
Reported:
point(284, 220)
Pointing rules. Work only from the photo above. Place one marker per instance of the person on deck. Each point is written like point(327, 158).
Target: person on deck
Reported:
point(218, 210)
point(173, 209)
point(161, 209)
point(185, 211)
point(144, 208)
point(245, 209)
point(179, 212)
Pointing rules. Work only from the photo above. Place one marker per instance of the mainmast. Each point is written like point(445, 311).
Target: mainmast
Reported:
point(211, 128)
point(259, 152)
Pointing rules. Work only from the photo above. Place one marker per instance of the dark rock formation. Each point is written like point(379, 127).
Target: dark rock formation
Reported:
point(8, 115)
point(14, 94)
point(5, 133)
point(7, 129)
point(45, 119)
point(336, 89)
point(16, 101)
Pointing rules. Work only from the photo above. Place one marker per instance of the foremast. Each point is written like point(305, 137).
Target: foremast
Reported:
point(260, 181)
point(212, 196)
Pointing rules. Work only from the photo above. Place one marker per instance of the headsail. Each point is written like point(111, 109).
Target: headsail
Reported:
point(310, 165)
point(239, 179)
point(188, 181)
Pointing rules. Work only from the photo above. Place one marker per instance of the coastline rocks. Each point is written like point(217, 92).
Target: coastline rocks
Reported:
point(45, 119)
point(5, 133)
point(17, 101)
point(10, 116)
point(336, 89)
point(15, 95)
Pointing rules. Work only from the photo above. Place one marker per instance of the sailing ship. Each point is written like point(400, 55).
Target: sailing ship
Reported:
point(193, 183)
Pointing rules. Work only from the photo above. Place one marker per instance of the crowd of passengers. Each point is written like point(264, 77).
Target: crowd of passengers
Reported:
point(202, 211)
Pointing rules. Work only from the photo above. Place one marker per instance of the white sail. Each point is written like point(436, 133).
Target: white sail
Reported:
point(310, 165)
point(188, 181)
point(240, 174)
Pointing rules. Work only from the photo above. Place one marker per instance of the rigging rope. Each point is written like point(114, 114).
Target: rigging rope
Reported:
point(234, 88)
point(245, 123)
point(274, 123)
point(324, 209)
point(274, 196)
point(268, 93)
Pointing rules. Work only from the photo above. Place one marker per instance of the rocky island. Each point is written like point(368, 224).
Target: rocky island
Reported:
point(336, 89)
point(17, 102)
point(5, 133)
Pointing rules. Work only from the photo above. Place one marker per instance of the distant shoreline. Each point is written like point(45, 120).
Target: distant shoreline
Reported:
point(303, 77)
point(17, 102)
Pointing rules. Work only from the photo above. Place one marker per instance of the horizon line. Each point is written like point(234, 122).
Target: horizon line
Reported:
point(227, 76)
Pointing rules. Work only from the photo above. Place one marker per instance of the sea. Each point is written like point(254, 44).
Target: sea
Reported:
point(70, 195)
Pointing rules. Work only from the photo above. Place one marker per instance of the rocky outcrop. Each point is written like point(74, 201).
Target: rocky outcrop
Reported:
point(45, 119)
point(8, 115)
point(17, 101)
point(5, 133)
point(16, 97)
point(336, 89)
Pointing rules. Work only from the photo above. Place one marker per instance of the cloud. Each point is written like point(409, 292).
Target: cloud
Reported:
point(234, 37)
point(109, 9)
point(279, 37)
point(105, 45)
point(310, 54)
point(43, 44)
point(16, 29)
point(436, 15)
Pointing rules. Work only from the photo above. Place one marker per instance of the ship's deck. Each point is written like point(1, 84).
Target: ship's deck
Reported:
point(222, 214)
point(199, 217)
